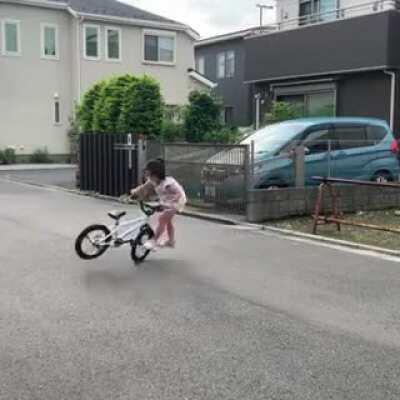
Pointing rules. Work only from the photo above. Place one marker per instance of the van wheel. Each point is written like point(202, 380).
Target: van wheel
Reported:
point(382, 177)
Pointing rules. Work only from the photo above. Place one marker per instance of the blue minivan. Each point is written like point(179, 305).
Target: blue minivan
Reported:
point(351, 148)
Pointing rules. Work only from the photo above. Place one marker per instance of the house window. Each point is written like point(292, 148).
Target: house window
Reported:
point(228, 116)
point(230, 64)
point(49, 41)
point(311, 11)
point(56, 110)
point(221, 66)
point(11, 38)
point(226, 65)
point(91, 43)
point(113, 44)
point(310, 104)
point(159, 48)
point(200, 67)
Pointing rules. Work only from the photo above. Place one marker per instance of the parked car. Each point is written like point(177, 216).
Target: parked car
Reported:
point(350, 148)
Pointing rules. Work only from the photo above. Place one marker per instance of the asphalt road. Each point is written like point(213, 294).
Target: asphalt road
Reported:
point(230, 314)
point(55, 177)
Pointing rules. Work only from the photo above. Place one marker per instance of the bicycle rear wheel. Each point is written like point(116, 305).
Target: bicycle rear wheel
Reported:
point(93, 242)
point(139, 252)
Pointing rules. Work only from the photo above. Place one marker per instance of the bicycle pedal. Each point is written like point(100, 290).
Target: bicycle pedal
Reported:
point(118, 242)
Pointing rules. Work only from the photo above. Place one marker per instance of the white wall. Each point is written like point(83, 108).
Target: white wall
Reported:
point(174, 80)
point(28, 84)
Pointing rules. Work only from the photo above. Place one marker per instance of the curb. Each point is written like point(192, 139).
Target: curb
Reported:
point(233, 222)
point(43, 167)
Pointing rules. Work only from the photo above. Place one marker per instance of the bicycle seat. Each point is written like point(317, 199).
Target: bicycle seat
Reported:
point(116, 214)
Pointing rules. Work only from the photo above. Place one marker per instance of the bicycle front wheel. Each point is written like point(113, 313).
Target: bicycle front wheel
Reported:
point(139, 252)
point(93, 242)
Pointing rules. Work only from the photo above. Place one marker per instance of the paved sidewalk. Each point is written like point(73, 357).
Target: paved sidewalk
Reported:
point(35, 167)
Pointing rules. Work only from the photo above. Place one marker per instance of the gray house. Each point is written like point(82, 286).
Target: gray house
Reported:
point(52, 51)
point(330, 61)
point(326, 57)
point(222, 59)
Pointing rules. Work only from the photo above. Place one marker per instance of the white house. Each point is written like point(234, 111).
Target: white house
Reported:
point(52, 51)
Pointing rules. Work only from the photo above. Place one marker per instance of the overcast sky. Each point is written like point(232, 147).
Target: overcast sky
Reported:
point(209, 17)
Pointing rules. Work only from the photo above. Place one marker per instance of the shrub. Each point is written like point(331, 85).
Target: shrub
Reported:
point(172, 131)
point(202, 116)
point(108, 106)
point(142, 108)
point(2, 159)
point(40, 156)
point(224, 136)
point(9, 156)
point(282, 111)
point(85, 111)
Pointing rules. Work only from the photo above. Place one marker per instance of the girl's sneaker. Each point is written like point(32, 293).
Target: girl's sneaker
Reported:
point(168, 243)
point(150, 245)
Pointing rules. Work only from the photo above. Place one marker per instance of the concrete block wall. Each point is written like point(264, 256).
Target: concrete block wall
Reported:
point(264, 205)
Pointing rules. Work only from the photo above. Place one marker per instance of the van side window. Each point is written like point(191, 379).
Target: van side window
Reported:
point(351, 136)
point(317, 141)
point(375, 134)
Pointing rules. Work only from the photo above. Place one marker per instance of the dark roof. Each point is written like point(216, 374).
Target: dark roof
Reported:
point(114, 8)
point(241, 34)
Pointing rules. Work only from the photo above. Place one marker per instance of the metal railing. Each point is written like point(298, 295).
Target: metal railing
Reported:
point(369, 7)
point(336, 217)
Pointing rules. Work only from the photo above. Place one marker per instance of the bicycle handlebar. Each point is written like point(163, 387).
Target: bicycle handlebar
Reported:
point(146, 208)
point(149, 209)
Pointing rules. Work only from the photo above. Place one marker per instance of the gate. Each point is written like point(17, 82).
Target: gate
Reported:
point(108, 163)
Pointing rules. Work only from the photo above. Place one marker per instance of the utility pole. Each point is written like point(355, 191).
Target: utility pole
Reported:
point(263, 7)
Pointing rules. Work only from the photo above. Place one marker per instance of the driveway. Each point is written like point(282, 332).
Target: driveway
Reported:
point(232, 313)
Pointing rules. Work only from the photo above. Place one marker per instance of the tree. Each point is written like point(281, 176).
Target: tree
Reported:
point(202, 116)
point(85, 111)
point(108, 105)
point(142, 108)
point(283, 111)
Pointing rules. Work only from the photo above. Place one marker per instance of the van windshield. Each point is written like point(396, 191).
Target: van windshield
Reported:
point(272, 138)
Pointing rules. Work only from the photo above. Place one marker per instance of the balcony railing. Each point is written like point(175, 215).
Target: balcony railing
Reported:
point(338, 14)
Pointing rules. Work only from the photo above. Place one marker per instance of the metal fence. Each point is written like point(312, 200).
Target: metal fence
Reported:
point(212, 175)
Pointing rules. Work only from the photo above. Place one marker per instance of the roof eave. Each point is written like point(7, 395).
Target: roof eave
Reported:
point(139, 22)
point(39, 3)
point(107, 18)
point(202, 79)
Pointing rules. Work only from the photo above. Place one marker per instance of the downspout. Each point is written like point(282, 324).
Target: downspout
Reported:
point(257, 98)
point(392, 74)
point(79, 56)
point(79, 20)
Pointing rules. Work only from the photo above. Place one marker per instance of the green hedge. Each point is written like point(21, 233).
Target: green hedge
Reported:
point(123, 104)
point(142, 108)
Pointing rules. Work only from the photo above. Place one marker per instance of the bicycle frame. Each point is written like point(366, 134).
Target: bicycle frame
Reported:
point(119, 236)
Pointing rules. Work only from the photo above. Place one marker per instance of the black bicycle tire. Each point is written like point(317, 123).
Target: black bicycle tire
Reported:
point(83, 234)
point(146, 230)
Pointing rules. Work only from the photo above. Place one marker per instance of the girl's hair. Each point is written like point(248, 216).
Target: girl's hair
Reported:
point(156, 168)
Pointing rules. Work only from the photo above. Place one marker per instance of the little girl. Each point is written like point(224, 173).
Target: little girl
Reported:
point(172, 198)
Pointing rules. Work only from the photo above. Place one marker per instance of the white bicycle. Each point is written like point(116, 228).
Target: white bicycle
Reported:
point(95, 240)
